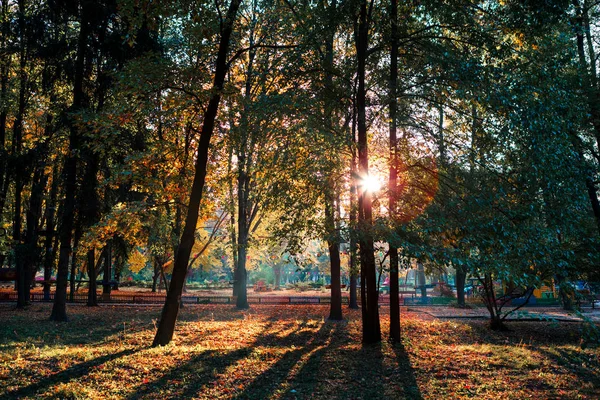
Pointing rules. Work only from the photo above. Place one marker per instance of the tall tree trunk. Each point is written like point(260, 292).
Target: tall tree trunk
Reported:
point(73, 272)
point(34, 213)
point(393, 192)
point(333, 239)
point(21, 252)
point(232, 229)
point(92, 299)
point(50, 234)
point(240, 274)
point(166, 325)
point(590, 89)
point(107, 274)
point(4, 72)
point(354, 268)
point(277, 273)
point(461, 277)
point(592, 93)
point(421, 279)
point(245, 156)
point(59, 309)
point(369, 296)
point(335, 310)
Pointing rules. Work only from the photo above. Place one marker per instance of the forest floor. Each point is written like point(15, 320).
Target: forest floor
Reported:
point(287, 352)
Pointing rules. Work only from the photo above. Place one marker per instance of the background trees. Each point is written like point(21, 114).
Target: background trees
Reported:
point(131, 126)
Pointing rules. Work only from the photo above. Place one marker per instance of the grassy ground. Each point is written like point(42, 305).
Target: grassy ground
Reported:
point(290, 352)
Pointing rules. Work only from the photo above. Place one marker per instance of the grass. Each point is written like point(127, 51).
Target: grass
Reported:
point(289, 352)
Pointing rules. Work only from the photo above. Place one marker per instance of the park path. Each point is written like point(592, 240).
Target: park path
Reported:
point(528, 313)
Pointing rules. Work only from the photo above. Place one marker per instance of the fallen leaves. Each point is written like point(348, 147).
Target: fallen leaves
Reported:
point(285, 352)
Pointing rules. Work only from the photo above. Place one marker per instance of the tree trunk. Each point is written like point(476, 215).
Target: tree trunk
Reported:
point(240, 275)
point(335, 310)
point(369, 296)
point(353, 301)
point(592, 93)
point(590, 88)
point(34, 213)
point(496, 324)
point(92, 300)
point(393, 105)
point(73, 272)
point(166, 326)
point(567, 293)
point(4, 73)
point(118, 267)
point(333, 239)
point(50, 234)
point(421, 279)
point(231, 205)
point(354, 268)
point(21, 252)
point(106, 287)
point(59, 310)
point(277, 272)
point(245, 155)
point(461, 276)
point(240, 271)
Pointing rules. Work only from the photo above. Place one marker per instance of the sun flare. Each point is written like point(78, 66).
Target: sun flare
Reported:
point(370, 183)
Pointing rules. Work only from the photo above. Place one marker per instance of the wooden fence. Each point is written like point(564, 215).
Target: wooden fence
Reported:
point(121, 298)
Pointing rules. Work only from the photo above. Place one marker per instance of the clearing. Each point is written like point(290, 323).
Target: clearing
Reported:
point(286, 352)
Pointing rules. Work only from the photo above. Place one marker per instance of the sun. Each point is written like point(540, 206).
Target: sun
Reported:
point(370, 183)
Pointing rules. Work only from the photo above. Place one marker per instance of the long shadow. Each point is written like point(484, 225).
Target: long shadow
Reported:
point(410, 387)
point(86, 326)
point(337, 371)
point(316, 375)
point(69, 374)
point(198, 372)
point(587, 370)
point(94, 325)
point(268, 381)
point(91, 325)
point(371, 379)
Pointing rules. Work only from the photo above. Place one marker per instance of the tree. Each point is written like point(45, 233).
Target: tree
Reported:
point(59, 309)
point(369, 296)
point(393, 104)
point(166, 325)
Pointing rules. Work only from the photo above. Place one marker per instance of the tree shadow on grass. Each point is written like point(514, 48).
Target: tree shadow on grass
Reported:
point(371, 376)
point(583, 365)
point(270, 380)
point(85, 327)
point(331, 367)
point(198, 372)
point(72, 373)
point(409, 384)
